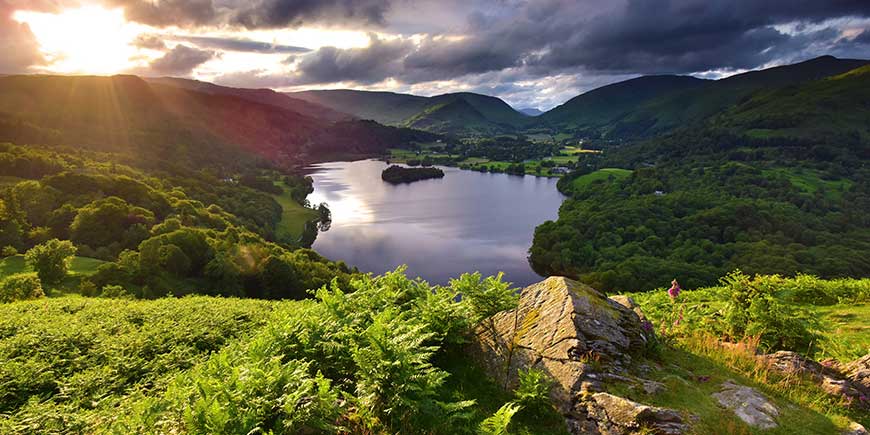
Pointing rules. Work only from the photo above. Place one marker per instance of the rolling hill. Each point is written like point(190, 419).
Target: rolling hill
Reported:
point(264, 96)
point(156, 121)
point(651, 105)
point(461, 113)
point(603, 107)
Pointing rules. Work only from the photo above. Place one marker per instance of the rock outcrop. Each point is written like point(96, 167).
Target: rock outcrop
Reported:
point(579, 337)
point(849, 381)
point(748, 404)
point(858, 371)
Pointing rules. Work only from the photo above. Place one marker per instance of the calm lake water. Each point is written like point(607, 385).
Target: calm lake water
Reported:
point(467, 221)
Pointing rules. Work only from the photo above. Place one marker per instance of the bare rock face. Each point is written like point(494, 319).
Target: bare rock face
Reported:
point(580, 338)
point(748, 404)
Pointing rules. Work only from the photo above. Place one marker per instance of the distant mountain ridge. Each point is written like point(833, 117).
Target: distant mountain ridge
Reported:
point(462, 113)
point(173, 122)
point(636, 108)
point(651, 105)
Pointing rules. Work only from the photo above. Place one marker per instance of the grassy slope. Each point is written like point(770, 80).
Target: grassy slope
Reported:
point(293, 216)
point(694, 367)
point(601, 175)
point(80, 265)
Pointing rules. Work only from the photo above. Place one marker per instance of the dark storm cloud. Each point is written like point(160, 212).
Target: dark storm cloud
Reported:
point(380, 60)
point(181, 60)
point(253, 14)
point(689, 36)
point(863, 37)
point(18, 47)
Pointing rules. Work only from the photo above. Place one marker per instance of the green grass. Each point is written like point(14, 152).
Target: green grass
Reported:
point(809, 181)
point(692, 372)
point(601, 175)
point(82, 266)
point(847, 326)
point(293, 215)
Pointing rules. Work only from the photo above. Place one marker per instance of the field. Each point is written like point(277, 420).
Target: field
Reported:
point(601, 175)
point(293, 216)
point(811, 182)
point(82, 266)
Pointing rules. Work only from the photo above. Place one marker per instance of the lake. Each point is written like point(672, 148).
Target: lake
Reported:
point(467, 221)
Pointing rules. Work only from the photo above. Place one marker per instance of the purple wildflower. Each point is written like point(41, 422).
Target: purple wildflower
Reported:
point(674, 291)
point(647, 326)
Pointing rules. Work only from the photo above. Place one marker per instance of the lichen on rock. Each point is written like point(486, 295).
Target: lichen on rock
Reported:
point(576, 335)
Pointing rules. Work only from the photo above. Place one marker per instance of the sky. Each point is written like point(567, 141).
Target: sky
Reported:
point(531, 53)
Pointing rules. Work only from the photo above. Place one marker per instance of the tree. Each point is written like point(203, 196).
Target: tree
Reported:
point(51, 260)
point(20, 287)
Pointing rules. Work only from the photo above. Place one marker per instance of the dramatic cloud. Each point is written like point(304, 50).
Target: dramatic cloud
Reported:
point(253, 14)
point(535, 53)
point(380, 60)
point(18, 47)
point(233, 44)
point(181, 61)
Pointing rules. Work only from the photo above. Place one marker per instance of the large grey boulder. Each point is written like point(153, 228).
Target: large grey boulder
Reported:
point(748, 404)
point(576, 335)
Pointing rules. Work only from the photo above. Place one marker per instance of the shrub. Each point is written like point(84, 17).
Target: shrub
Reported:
point(753, 311)
point(9, 251)
point(20, 287)
point(115, 292)
point(51, 260)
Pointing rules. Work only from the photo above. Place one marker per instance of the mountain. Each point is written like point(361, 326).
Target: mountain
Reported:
point(157, 121)
point(531, 111)
point(461, 113)
point(647, 106)
point(601, 108)
point(264, 96)
point(820, 120)
point(385, 107)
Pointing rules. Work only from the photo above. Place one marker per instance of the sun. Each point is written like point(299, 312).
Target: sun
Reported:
point(90, 40)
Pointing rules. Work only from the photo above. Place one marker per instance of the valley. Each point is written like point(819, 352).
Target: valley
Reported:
point(184, 257)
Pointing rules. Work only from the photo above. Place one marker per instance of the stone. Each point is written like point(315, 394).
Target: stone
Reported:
point(618, 415)
point(652, 387)
point(858, 371)
point(572, 332)
point(748, 404)
point(830, 377)
point(855, 429)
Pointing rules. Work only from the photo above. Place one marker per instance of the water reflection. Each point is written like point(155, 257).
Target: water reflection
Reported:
point(440, 228)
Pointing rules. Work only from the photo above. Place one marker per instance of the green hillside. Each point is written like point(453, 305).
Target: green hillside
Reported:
point(775, 185)
point(648, 106)
point(162, 122)
point(385, 107)
point(601, 109)
point(463, 114)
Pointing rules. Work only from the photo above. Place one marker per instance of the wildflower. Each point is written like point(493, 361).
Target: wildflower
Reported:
point(674, 291)
point(647, 326)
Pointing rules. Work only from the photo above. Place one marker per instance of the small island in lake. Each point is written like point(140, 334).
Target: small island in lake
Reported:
point(397, 174)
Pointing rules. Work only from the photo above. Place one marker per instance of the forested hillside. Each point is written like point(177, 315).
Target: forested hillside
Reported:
point(774, 184)
point(158, 232)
